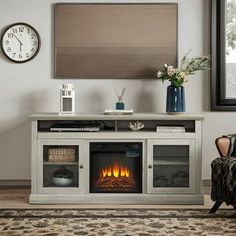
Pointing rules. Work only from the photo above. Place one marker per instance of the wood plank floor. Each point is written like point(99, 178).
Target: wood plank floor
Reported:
point(19, 198)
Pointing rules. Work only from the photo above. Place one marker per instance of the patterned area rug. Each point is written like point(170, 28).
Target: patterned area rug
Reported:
point(117, 222)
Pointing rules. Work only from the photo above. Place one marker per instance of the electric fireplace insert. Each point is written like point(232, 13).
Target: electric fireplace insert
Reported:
point(116, 167)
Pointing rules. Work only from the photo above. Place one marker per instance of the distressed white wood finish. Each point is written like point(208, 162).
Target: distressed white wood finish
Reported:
point(110, 198)
point(198, 168)
point(81, 195)
point(110, 135)
point(34, 157)
point(101, 116)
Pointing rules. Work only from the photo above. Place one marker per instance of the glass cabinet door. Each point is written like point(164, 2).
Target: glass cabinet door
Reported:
point(170, 166)
point(61, 165)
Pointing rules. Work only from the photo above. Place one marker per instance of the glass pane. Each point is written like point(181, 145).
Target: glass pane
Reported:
point(60, 166)
point(171, 166)
point(67, 104)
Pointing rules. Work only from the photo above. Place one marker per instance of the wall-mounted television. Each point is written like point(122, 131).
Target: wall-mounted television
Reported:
point(114, 40)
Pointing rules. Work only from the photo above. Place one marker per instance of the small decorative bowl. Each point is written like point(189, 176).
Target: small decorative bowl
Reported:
point(60, 181)
point(62, 177)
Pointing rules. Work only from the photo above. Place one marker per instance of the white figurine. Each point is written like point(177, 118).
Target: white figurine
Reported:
point(136, 125)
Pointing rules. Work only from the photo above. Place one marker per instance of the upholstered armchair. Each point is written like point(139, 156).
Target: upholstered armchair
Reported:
point(224, 173)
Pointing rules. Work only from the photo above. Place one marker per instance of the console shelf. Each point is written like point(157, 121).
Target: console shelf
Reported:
point(60, 163)
point(168, 163)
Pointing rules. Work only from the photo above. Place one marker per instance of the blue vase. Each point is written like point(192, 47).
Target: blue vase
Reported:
point(175, 100)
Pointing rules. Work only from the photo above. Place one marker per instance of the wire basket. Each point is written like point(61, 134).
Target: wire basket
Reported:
point(61, 154)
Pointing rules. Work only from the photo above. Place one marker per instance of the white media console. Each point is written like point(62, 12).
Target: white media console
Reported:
point(98, 159)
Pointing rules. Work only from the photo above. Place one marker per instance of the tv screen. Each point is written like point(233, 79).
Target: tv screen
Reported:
point(114, 40)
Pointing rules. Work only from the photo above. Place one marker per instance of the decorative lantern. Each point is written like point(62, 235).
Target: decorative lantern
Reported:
point(67, 99)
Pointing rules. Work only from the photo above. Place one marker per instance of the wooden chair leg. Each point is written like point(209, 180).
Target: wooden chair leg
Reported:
point(215, 207)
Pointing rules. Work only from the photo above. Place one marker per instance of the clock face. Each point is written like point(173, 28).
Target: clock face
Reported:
point(20, 42)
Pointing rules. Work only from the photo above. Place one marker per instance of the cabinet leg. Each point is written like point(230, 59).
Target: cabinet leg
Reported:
point(215, 207)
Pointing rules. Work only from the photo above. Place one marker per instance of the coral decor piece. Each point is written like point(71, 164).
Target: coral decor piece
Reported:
point(136, 125)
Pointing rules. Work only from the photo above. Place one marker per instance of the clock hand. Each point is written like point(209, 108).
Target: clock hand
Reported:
point(18, 39)
point(19, 42)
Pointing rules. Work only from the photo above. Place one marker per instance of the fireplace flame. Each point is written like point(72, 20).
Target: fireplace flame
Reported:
point(116, 170)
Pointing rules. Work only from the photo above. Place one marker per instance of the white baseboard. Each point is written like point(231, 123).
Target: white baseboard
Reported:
point(15, 182)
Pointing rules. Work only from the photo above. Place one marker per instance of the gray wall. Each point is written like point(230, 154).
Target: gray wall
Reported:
point(30, 87)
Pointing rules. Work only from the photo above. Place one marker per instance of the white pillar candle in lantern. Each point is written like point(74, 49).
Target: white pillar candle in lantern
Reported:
point(67, 104)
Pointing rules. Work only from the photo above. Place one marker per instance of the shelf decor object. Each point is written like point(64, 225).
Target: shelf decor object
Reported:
point(63, 177)
point(67, 105)
point(175, 99)
point(118, 112)
point(120, 104)
point(136, 125)
point(116, 165)
point(60, 154)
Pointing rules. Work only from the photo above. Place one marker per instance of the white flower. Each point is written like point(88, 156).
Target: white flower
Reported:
point(159, 74)
point(170, 70)
point(184, 77)
point(188, 67)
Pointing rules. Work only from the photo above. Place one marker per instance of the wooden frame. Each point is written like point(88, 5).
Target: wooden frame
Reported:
point(107, 48)
point(219, 101)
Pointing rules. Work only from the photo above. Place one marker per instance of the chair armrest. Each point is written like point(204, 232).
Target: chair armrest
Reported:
point(223, 145)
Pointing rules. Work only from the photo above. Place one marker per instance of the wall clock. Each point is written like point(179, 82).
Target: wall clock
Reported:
point(20, 42)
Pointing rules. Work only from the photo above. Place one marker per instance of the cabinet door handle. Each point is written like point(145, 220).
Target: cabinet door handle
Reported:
point(150, 166)
point(81, 167)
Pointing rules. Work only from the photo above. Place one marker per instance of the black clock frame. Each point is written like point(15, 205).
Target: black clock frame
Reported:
point(25, 24)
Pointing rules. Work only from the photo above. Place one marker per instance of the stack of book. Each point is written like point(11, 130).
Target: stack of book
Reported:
point(119, 112)
point(170, 129)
